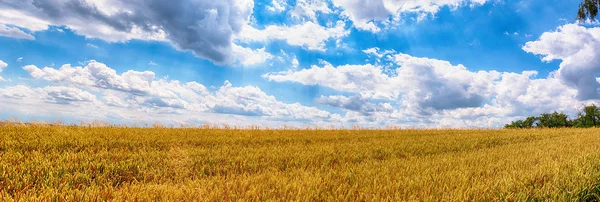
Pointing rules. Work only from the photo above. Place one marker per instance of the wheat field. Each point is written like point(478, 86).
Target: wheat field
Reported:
point(72, 163)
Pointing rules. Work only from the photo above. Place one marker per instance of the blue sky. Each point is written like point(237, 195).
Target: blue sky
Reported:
point(456, 63)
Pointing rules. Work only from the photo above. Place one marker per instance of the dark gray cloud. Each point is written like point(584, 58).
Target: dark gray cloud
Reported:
point(453, 100)
point(222, 109)
point(584, 80)
point(355, 103)
point(205, 27)
point(442, 95)
point(431, 89)
point(160, 102)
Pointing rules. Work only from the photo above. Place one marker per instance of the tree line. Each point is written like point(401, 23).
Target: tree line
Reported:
point(587, 118)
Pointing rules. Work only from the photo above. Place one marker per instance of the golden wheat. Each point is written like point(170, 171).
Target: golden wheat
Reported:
point(71, 163)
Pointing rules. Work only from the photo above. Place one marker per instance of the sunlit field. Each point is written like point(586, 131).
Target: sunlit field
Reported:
point(148, 164)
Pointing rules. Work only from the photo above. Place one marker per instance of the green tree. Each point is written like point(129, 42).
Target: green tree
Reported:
point(515, 124)
point(529, 121)
point(560, 120)
point(588, 9)
point(553, 120)
point(589, 117)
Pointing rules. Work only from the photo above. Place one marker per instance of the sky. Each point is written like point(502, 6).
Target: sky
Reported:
point(296, 63)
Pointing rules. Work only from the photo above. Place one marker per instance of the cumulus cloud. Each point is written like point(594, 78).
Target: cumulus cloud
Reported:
point(428, 83)
point(250, 100)
point(309, 35)
point(439, 85)
point(143, 93)
point(50, 94)
point(113, 100)
point(204, 27)
point(366, 79)
point(578, 49)
point(430, 92)
point(97, 75)
point(18, 92)
point(364, 13)
point(67, 95)
point(14, 32)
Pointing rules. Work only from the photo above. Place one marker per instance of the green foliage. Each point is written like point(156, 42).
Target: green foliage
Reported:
point(554, 120)
point(588, 9)
point(588, 118)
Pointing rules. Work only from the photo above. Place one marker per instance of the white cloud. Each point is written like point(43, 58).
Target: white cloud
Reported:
point(49, 94)
point(366, 79)
point(295, 62)
point(372, 51)
point(249, 57)
point(430, 83)
point(251, 100)
point(20, 59)
point(578, 49)
point(310, 8)
point(277, 6)
point(151, 63)
point(97, 75)
point(67, 95)
point(378, 53)
point(14, 32)
point(92, 46)
point(309, 35)
point(113, 100)
point(2, 66)
point(18, 92)
point(135, 95)
point(364, 13)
